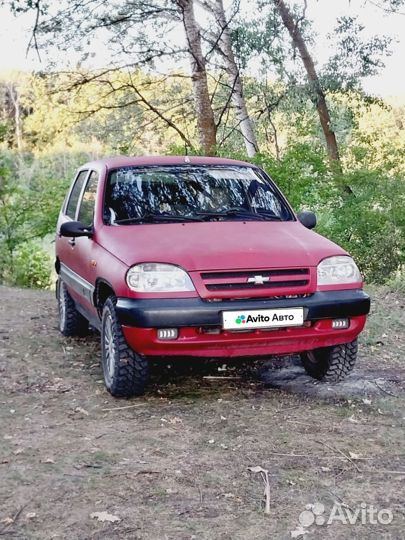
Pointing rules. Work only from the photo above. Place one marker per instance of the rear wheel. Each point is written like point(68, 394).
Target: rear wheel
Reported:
point(331, 364)
point(125, 371)
point(71, 322)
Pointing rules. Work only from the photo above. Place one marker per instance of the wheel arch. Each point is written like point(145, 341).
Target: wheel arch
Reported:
point(102, 291)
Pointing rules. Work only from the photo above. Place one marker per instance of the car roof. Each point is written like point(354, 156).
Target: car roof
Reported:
point(127, 161)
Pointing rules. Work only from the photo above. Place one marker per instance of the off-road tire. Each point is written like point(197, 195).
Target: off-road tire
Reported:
point(330, 364)
point(125, 372)
point(71, 322)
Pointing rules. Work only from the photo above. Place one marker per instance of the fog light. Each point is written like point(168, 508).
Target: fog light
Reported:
point(167, 333)
point(340, 323)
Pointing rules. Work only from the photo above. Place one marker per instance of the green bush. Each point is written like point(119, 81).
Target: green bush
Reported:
point(29, 207)
point(302, 174)
point(369, 224)
point(32, 266)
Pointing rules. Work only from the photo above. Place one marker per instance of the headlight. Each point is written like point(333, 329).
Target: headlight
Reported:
point(157, 277)
point(338, 270)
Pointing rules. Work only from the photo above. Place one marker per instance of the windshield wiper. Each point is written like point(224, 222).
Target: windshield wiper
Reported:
point(266, 215)
point(151, 217)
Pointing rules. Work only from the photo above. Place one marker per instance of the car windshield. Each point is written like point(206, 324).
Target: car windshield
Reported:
point(191, 193)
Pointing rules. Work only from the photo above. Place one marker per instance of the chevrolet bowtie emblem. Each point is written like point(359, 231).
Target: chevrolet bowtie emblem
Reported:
point(258, 280)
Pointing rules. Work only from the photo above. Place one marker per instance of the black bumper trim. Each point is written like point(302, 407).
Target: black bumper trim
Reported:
point(177, 312)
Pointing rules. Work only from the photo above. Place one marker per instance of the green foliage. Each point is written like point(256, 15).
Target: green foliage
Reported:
point(302, 174)
point(3, 132)
point(29, 207)
point(376, 138)
point(32, 266)
point(370, 223)
point(356, 56)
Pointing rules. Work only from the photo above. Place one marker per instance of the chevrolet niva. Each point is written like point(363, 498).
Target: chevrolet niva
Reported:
point(200, 257)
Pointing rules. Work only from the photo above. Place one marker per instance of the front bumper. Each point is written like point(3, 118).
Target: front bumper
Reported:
point(196, 318)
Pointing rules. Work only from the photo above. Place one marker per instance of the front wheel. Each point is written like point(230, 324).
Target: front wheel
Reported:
point(125, 371)
point(331, 364)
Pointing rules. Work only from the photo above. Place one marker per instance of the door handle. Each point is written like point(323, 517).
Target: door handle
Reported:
point(72, 242)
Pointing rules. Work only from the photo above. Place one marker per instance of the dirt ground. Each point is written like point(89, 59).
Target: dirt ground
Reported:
point(76, 463)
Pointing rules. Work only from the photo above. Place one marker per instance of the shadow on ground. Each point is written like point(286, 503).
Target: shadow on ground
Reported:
point(182, 377)
point(360, 383)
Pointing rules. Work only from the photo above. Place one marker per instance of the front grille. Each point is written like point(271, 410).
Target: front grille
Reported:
point(288, 278)
point(253, 273)
point(238, 286)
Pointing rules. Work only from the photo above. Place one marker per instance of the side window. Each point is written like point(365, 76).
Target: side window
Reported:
point(75, 194)
point(86, 212)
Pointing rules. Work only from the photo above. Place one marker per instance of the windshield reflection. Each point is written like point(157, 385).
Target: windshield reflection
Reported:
point(192, 192)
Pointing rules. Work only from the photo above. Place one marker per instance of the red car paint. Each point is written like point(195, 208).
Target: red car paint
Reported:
point(219, 246)
point(192, 342)
point(198, 248)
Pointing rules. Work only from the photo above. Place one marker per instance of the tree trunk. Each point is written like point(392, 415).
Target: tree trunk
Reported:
point(235, 81)
point(207, 131)
point(15, 100)
point(313, 79)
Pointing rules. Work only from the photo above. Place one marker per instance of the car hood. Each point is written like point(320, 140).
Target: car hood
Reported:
point(218, 245)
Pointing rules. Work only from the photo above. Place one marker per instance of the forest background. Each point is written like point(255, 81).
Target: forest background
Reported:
point(241, 79)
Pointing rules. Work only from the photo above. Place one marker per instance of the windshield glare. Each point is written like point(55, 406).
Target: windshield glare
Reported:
point(191, 191)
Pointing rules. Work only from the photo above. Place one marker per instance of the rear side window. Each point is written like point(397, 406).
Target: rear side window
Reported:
point(75, 194)
point(86, 212)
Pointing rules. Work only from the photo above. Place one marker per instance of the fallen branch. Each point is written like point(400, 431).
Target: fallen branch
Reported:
point(383, 390)
point(382, 471)
point(265, 477)
point(342, 502)
point(122, 408)
point(201, 494)
point(314, 456)
point(129, 475)
point(342, 453)
point(219, 377)
point(3, 530)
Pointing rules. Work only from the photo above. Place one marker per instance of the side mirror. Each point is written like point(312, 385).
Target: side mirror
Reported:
point(308, 219)
point(73, 229)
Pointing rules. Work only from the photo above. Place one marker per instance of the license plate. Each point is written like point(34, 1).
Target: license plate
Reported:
point(263, 318)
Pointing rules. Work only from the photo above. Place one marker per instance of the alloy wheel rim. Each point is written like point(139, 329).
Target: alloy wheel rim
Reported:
point(311, 357)
point(109, 347)
point(62, 309)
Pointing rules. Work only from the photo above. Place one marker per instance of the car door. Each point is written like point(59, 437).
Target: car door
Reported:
point(76, 268)
point(85, 249)
point(65, 247)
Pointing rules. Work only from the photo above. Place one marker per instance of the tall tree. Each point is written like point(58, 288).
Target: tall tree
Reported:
point(205, 115)
point(223, 44)
point(13, 110)
point(318, 94)
point(16, 105)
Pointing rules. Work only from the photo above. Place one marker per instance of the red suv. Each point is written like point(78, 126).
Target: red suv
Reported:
point(203, 257)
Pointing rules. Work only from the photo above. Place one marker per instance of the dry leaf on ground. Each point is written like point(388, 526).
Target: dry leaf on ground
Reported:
point(104, 516)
